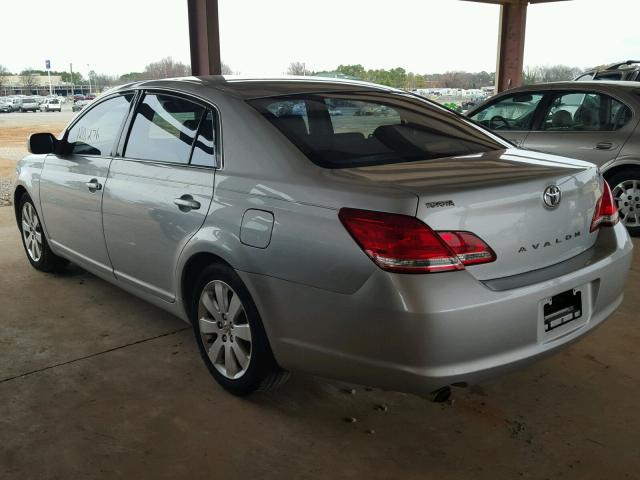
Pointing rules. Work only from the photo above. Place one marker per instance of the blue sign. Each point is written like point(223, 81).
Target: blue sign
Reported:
point(47, 63)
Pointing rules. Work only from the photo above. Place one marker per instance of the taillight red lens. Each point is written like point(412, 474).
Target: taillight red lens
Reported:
point(606, 213)
point(470, 249)
point(403, 244)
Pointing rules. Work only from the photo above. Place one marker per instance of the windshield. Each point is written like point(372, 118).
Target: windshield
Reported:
point(370, 128)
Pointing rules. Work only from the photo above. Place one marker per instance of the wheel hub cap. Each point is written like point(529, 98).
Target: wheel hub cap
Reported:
point(224, 329)
point(31, 232)
point(627, 197)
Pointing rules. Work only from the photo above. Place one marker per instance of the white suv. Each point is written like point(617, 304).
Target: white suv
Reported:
point(51, 105)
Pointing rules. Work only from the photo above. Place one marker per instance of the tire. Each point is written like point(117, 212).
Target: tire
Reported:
point(625, 187)
point(225, 342)
point(41, 257)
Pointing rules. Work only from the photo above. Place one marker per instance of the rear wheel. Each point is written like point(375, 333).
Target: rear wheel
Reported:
point(35, 244)
point(230, 335)
point(625, 187)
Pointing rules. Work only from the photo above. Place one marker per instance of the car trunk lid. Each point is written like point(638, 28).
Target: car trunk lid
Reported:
point(498, 196)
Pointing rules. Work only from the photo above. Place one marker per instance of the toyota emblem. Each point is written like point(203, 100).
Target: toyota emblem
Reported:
point(551, 196)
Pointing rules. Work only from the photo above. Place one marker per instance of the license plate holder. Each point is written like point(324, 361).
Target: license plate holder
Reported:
point(562, 309)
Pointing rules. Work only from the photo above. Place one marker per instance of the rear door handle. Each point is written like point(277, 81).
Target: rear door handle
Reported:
point(94, 185)
point(186, 203)
point(604, 146)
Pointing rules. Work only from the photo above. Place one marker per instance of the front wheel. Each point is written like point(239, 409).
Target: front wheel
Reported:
point(35, 244)
point(230, 335)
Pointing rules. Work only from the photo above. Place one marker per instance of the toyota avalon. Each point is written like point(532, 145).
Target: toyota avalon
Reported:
point(396, 244)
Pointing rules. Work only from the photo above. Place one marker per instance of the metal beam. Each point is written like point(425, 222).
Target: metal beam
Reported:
point(513, 21)
point(204, 37)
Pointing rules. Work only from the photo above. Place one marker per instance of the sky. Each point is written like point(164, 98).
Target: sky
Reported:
point(261, 37)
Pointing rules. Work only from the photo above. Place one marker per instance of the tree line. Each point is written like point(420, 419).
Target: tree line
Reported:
point(396, 77)
point(400, 78)
point(164, 68)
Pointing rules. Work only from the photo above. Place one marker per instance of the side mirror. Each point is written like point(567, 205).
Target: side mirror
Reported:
point(42, 143)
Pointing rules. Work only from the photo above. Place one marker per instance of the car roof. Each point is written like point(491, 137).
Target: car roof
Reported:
point(573, 85)
point(251, 87)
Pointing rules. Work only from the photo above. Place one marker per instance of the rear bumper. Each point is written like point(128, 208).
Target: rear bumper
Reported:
point(421, 332)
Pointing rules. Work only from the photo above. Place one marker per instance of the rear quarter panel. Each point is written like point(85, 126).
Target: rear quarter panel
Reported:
point(262, 170)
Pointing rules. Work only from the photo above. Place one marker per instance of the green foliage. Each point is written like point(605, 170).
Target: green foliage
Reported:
point(453, 106)
point(399, 78)
point(131, 77)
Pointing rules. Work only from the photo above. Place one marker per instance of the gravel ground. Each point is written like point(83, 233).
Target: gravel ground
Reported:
point(6, 187)
point(14, 129)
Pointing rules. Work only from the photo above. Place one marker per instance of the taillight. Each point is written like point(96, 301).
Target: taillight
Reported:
point(470, 249)
point(606, 213)
point(403, 244)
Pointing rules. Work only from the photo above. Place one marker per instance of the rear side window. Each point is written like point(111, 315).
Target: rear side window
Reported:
point(204, 152)
point(585, 112)
point(341, 130)
point(95, 133)
point(164, 129)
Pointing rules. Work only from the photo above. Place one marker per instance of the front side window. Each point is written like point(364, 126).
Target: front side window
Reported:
point(585, 112)
point(341, 130)
point(164, 129)
point(514, 112)
point(96, 131)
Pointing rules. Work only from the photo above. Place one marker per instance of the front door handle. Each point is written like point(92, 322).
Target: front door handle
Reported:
point(94, 185)
point(604, 146)
point(186, 203)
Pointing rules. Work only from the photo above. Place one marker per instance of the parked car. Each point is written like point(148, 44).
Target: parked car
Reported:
point(408, 249)
point(14, 101)
point(51, 105)
point(79, 105)
point(27, 104)
point(77, 97)
point(6, 106)
point(627, 70)
point(594, 121)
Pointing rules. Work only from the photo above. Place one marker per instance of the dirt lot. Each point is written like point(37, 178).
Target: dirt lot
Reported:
point(15, 128)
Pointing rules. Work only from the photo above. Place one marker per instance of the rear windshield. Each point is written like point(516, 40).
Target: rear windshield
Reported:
point(356, 129)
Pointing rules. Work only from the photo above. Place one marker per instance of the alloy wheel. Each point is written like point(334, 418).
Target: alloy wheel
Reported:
point(224, 329)
point(32, 232)
point(627, 197)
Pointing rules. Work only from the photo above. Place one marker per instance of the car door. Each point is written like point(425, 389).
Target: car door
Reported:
point(159, 191)
point(510, 116)
point(585, 125)
point(72, 181)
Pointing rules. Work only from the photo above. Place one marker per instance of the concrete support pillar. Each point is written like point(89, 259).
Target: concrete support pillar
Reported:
point(513, 19)
point(204, 37)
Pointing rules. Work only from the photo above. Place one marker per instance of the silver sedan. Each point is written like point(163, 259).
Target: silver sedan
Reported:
point(393, 244)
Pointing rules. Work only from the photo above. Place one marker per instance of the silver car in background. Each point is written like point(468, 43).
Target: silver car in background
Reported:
point(596, 121)
point(396, 244)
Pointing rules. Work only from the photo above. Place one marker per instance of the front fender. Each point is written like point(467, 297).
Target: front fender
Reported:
point(28, 173)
